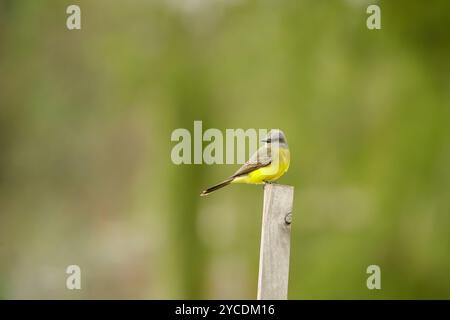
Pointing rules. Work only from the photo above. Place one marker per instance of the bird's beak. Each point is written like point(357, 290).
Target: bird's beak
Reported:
point(264, 140)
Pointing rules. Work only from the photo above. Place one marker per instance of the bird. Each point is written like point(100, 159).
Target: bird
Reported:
point(266, 165)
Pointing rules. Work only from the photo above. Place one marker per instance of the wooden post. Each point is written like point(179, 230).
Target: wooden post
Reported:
point(275, 242)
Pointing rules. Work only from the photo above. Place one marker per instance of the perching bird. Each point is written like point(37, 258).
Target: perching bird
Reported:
point(267, 164)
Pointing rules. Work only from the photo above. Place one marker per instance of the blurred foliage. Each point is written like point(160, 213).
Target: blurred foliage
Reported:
point(85, 124)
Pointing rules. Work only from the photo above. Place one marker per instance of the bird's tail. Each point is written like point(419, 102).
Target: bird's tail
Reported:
point(216, 187)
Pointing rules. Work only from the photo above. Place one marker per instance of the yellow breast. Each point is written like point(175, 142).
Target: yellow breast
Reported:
point(279, 165)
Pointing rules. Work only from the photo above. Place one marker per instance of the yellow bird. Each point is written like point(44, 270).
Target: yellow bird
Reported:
point(267, 164)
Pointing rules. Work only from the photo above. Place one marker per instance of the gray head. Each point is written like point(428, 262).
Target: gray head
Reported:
point(276, 136)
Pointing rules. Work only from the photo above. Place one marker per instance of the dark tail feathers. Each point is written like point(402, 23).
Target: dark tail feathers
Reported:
point(216, 187)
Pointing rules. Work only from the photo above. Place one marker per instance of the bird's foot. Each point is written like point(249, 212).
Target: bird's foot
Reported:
point(270, 182)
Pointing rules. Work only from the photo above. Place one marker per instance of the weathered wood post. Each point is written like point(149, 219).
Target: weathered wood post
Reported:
point(275, 242)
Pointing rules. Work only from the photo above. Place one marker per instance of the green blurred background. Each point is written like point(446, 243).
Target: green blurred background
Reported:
point(86, 117)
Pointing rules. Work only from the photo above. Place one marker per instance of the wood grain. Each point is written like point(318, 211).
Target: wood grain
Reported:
point(275, 242)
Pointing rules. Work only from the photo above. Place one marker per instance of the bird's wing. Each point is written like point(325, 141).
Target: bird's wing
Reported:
point(259, 159)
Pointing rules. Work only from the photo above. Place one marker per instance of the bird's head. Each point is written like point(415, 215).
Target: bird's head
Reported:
point(275, 136)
